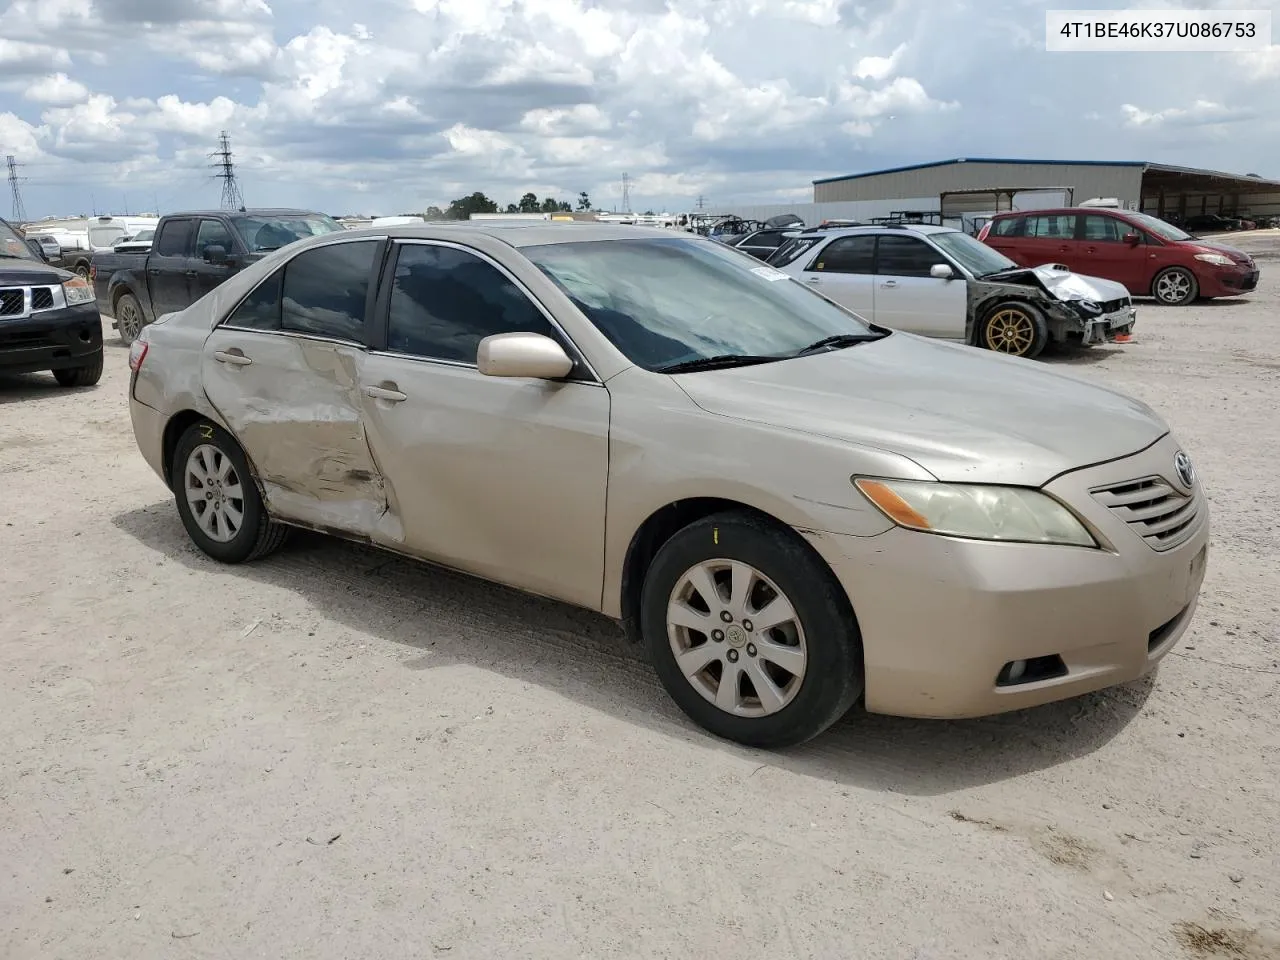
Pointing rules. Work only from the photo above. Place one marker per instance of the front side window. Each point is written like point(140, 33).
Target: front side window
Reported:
point(1161, 228)
point(1007, 227)
point(212, 233)
point(444, 301)
point(668, 301)
point(1100, 229)
point(325, 290)
point(174, 239)
point(906, 257)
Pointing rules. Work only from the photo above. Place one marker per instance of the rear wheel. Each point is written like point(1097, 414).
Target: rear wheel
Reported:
point(750, 633)
point(82, 376)
point(1175, 287)
point(1017, 329)
point(129, 318)
point(217, 498)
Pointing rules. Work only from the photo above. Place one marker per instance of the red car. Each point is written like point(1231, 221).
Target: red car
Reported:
point(1150, 257)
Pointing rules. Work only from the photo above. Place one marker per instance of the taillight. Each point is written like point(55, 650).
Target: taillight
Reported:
point(93, 271)
point(137, 353)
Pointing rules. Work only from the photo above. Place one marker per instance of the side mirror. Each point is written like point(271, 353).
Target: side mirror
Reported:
point(215, 253)
point(942, 271)
point(522, 355)
point(1133, 239)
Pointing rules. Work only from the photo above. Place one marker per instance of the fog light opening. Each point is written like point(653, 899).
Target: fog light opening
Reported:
point(1018, 672)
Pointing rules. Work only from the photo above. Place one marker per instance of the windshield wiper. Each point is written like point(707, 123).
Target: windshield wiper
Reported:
point(720, 362)
point(839, 341)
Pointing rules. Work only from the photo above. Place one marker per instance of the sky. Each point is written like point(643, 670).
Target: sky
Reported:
point(389, 106)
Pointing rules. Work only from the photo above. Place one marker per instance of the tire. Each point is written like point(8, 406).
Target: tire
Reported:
point(821, 641)
point(1175, 287)
point(1016, 329)
point(256, 534)
point(129, 318)
point(83, 376)
point(81, 270)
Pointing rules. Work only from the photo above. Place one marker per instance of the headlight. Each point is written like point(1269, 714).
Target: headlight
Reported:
point(77, 291)
point(1090, 308)
point(1217, 259)
point(1014, 514)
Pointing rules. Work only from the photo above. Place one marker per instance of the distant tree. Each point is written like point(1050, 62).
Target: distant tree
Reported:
point(566, 206)
point(464, 207)
point(434, 213)
point(512, 208)
point(550, 205)
point(529, 203)
point(584, 201)
point(647, 213)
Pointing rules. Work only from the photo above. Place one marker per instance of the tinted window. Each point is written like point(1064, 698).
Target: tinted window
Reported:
point(325, 290)
point(1104, 229)
point(906, 257)
point(261, 309)
point(765, 238)
point(174, 239)
point(1007, 227)
point(262, 233)
point(212, 233)
point(790, 251)
point(445, 301)
point(1058, 226)
point(846, 255)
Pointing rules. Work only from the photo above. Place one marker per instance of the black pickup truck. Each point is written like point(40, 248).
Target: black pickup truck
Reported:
point(191, 254)
point(48, 320)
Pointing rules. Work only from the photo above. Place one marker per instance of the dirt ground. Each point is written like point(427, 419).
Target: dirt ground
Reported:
point(335, 753)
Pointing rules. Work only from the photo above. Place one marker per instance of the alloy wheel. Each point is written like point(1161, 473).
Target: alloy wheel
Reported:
point(214, 493)
point(129, 321)
point(1010, 331)
point(1173, 287)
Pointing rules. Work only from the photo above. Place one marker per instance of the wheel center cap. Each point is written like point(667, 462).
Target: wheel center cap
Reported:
point(736, 636)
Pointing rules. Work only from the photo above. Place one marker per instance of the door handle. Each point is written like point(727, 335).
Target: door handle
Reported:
point(235, 359)
point(192, 274)
point(1064, 249)
point(813, 280)
point(384, 393)
point(889, 283)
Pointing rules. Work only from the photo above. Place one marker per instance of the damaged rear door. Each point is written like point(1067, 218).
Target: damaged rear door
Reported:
point(284, 371)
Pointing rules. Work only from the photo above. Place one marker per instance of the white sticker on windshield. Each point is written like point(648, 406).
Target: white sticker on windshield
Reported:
point(770, 274)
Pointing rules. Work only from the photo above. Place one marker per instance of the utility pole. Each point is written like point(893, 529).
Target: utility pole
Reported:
point(19, 211)
point(702, 201)
point(626, 193)
point(231, 197)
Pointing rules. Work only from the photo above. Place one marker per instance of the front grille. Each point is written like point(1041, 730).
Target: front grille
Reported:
point(1115, 306)
point(41, 298)
point(12, 302)
point(1153, 509)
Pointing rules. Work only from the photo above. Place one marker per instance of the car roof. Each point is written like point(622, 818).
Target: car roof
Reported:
point(1058, 211)
point(250, 212)
point(923, 228)
point(523, 233)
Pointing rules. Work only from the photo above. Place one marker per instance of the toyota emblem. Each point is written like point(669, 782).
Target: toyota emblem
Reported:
point(1185, 471)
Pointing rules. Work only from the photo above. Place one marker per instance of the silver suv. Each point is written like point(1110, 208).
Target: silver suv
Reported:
point(941, 282)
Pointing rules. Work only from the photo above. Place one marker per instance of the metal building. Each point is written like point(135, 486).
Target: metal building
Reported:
point(969, 185)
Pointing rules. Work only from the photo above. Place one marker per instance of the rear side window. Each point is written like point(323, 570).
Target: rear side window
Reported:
point(765, 238)
point(1103, 229)
point(1057, 226)
point(847, 255)
point(260, 310)
point(444, 301)
point(1007, 227)
point(325, 290)
point(906, 257)
point(174, 239)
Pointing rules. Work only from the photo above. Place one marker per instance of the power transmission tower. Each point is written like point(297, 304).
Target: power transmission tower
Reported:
point(19, 211)
point(702, 201)
point(231, 197)
point(626, 193)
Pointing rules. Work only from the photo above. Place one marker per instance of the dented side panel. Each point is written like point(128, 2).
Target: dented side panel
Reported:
point(296, 411)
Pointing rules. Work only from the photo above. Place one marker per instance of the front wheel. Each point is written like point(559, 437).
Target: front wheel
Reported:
point(217, 498)
point(1175, 287)
point(1017, 329)
point(750, 633)
point(82, 376)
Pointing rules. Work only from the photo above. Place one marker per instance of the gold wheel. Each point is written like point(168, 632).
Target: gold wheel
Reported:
point(1011, 330)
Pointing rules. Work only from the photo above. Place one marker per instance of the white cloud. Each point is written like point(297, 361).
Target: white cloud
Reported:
point(879, 68)
point(57, 89)
point(1199, 113)
point(21, 57)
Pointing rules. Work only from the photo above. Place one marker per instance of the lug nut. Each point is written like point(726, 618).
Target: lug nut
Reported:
point(726, 616)
point(733, 656)
point(717, 635)
point(746, 625)
point(751, 649)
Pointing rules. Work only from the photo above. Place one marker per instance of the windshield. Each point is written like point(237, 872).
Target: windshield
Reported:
point(663, 302)
point(791, 250)
point(974, 255)
point(1165, 231)
point(12, 246)
point(271, 233)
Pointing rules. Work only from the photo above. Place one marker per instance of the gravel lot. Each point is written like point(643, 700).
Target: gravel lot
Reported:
point(339, 754)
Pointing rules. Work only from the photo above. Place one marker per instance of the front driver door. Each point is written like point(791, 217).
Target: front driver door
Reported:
point(908, 298)
point(842, 270)
point(283, 371)
point(504, 478)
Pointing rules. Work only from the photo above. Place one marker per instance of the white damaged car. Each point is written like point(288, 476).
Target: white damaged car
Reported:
point(941, 282)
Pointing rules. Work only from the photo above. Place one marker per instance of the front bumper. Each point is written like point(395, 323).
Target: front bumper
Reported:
point(941, 618)
point(50, 339)
point(1068, 326)
point(1229, 281)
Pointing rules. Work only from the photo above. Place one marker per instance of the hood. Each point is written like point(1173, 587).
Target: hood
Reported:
point(30, 273)
point(963, 414)
point(1237, 255)
point(1065, 285)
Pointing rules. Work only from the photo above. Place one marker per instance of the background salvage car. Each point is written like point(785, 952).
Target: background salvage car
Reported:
point(798, 512)
point(941, 282)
